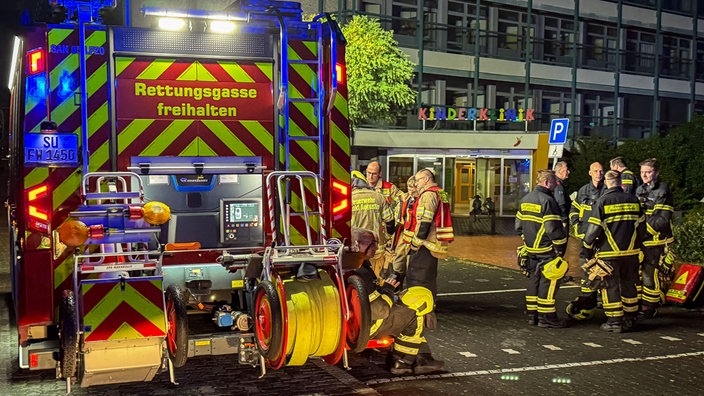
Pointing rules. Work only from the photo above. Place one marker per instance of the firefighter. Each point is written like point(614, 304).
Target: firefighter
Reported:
point(583, 307)
point(656, 200)
point(406, 213)
point(371, 211)
point(538, 222)
point(431, 232)
point(563, 200)
point(393, 195)
point(629, 181)
point(400, 315)
point(612, 231)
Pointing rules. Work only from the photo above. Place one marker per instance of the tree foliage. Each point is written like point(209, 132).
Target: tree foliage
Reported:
point(378, 72)
point(680, 154)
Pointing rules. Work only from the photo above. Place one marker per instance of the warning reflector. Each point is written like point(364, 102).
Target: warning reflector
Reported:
point(686, 290)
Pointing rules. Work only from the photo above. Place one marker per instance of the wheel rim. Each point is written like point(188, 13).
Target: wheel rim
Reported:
point(171, 332)
point(353, 323)
point(263, 327)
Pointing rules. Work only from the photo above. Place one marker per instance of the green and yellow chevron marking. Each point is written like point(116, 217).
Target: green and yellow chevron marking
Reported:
point(196, 72)
point(266, 68)
point(132, 132)
point(198, 148)
point(155, 69)
point(236, 72)
point(165, 138)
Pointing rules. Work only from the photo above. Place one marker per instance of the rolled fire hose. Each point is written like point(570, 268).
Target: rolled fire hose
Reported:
point(314, 323)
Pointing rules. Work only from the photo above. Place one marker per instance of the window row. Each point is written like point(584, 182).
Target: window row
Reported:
point(502, 32)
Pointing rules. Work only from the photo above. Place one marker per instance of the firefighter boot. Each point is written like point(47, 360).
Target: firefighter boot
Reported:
point(629, 322)
point(612, 326)
point(426, 364)
point(401, 364)
point(532, 318)
point(647, 312)
point(551, 321)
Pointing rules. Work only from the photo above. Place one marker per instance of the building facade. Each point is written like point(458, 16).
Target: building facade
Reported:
point(500, 71)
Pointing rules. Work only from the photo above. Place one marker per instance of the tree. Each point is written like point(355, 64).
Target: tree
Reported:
point(378, 72)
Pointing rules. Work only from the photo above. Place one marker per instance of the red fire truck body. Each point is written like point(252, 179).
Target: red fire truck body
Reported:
point(242, 136)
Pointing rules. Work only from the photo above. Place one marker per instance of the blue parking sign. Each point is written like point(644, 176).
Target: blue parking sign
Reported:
point(558, 131)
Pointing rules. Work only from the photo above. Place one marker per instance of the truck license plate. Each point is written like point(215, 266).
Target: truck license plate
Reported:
point(51, 149)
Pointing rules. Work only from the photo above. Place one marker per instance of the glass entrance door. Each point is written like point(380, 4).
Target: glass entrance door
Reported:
point(465, 173)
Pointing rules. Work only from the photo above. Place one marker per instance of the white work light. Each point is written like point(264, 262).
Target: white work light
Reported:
point(171, 24)
point(221, 27)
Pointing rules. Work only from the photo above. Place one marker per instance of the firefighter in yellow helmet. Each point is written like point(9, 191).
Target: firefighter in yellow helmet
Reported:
point(612, 231)
point(399, 315)
point(371, 211)
point(538, 221)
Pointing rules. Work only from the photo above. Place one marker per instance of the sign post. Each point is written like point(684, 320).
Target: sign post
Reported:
point(557, 138)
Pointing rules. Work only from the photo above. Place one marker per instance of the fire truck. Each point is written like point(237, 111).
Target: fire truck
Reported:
point(180, 187)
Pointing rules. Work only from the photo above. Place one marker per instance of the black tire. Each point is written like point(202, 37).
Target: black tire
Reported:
point(177, 326)
point(359, 322)
point(268, 321)
point(68, 336)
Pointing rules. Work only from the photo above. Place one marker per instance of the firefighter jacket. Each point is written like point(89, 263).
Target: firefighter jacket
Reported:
point(393, 195)
point(538, 222)
point(629, 181)
point(563, 200)
point(406, 214)
point(615, 224)
point(380, 298)
point(371, 211)
point(582, 205)
point(656, 200)
point(432, 225)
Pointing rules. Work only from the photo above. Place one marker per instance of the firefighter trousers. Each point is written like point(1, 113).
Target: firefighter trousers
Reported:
point(619, 297)
point(423, 270)
point(652, 293)
point(540, 292)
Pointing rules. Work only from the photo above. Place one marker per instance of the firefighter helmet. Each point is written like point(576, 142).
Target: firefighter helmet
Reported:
point(156, 213)
point(358, 175)
point(555, 268)
point(419, 299)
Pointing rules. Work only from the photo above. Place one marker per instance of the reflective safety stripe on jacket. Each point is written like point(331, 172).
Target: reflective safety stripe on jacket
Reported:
point(538, 221)
point(432, 208)
point(582, 205)
point(613, 224)
point(656, 200)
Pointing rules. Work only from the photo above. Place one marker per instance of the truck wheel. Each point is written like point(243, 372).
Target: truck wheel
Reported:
point(68, 335)
point(359, 321)
point(268, 323)
point(177, 330)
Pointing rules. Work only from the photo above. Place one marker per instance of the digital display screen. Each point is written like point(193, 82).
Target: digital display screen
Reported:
point(241, 223)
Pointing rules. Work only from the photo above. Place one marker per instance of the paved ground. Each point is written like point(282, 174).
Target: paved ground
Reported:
point(488, 347)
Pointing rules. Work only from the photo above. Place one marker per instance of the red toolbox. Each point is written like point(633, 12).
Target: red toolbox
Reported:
point(686, 289)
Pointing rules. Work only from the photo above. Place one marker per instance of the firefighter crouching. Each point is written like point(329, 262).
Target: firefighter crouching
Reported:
point(612, 231)
point(656, 200)
point(371, 211)
point(399, 315)
point(584, 306)
point(538, 222)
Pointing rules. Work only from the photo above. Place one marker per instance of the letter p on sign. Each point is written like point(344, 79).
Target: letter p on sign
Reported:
point(558, 131)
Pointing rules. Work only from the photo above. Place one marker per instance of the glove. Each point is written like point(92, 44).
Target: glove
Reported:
point(387, 289)
point(666, 267)
point(414, 246)
point(522, 262)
